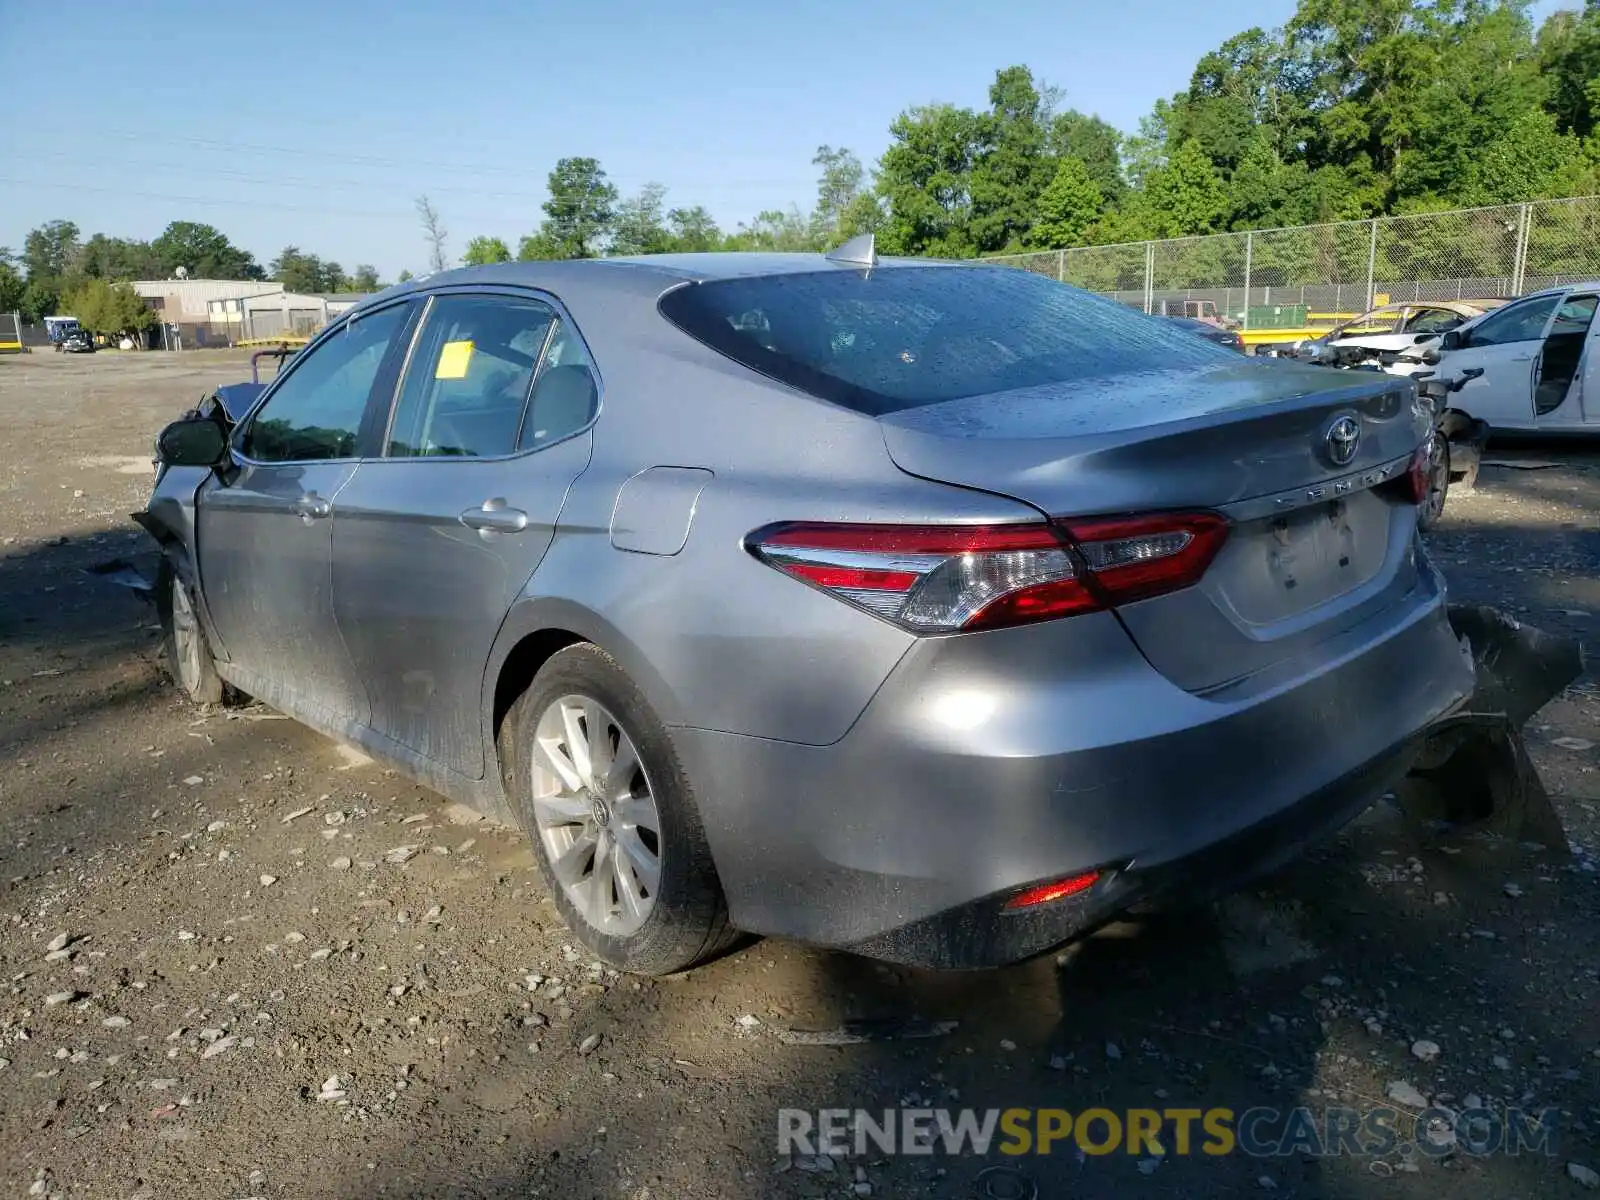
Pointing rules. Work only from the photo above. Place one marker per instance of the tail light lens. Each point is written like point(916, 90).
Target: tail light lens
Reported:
point(1417, 473)
point(1047, 893)
point(944, 578)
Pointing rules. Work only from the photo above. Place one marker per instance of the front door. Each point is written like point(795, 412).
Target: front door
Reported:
point(434, 541)
point(264, 535)
point(1506, 344)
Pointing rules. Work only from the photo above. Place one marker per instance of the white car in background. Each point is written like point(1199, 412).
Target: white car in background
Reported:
point(1390, 335)
point(1540, 369)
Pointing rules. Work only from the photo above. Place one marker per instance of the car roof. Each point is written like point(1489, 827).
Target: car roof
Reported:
point(664, 269)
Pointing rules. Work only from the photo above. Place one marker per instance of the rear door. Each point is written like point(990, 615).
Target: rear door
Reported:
point(1557, 399)
point(1506, 345)
point(435, 539)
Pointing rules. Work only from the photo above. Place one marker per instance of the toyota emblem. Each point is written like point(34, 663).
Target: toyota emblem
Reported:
point(1343, 437)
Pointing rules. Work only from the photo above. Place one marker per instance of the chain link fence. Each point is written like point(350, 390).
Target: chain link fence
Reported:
point(1282, 278)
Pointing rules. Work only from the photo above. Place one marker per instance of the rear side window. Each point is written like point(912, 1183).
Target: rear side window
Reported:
point(466, 389)
point(903, 337)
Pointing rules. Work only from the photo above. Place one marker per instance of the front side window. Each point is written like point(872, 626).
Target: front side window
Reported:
point(316, 412)
point(1522, 322)
point(466, 388)
point(1378, 321)
point(1432, 320)
point(903, 337)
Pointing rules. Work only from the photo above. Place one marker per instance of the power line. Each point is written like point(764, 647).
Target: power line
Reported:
point(479, 168)
point(274, 180)
point(84, 187)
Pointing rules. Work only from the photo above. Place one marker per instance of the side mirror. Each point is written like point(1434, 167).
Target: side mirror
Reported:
point(192, 442)
point(1452, 340)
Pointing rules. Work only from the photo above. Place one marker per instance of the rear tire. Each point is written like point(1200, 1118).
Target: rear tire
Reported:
point(1432, 507)
point(589, 768)
point(188, 655)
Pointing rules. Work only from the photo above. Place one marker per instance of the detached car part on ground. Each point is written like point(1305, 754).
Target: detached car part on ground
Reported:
point(936, 614)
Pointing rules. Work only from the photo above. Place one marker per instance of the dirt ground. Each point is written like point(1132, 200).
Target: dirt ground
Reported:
point(253, 1000)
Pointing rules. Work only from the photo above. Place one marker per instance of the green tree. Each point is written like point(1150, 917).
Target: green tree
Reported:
point(109, 308)
point(1147, 149)
point(1070, 206)
point(693, 229)
point(12, 288)
point(535, 247)
point(639, 223)
point(925, 178)
point(481, 251)
point(203, 251)
point(1096, 144)
point(578, 214)
point(1010, 168)
point(774, 230)
point(1184, 196)
point(1530, 160)
point(117, 258)
point(50, 252)
point(845, 204)
point(365, 278)
point(306, 273)
point(404, 277)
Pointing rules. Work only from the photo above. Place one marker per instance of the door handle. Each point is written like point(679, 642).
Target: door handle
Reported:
point(493, 516)
point(311, 507)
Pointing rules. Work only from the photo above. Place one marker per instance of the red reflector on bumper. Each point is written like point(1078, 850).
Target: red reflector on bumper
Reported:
point(1059, 890)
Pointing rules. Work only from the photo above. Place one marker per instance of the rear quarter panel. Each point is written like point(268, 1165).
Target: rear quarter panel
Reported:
point(713, 637)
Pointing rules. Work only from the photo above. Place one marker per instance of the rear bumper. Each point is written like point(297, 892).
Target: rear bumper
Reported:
point(980, 770)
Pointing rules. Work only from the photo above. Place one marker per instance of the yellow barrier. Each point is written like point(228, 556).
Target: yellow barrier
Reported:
point(1257, 337)
point(253, 343)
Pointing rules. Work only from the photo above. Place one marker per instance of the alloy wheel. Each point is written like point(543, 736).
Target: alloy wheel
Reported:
point(596, 814)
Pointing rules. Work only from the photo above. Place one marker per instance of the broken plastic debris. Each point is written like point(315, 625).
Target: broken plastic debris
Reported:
point(873, 1029)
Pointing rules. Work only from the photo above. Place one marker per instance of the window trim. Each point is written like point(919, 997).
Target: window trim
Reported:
point(563, 317)
point(406, 334)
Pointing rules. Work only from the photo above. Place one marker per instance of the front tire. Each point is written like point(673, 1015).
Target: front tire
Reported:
point(188, 656)
point(594, 776)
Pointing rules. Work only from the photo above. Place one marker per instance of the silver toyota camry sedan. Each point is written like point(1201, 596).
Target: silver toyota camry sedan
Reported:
point(935, 612)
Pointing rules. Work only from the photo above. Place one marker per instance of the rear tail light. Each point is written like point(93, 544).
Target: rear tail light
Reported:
point(1416, 489)
point(1045, 893)
point(944, 578)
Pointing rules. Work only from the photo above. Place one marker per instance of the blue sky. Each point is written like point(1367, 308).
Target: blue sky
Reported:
point(317, 124)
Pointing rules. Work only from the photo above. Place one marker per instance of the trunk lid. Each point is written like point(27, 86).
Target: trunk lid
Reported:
point(1314, 549)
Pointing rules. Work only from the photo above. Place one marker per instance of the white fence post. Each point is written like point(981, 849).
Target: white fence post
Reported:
point(1519, 260)
point(1061, 266)
point(1249, 253)
point(1149, 276)
point(1372, 262)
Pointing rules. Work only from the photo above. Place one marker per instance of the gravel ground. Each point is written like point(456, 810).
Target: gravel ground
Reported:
point(246, 962)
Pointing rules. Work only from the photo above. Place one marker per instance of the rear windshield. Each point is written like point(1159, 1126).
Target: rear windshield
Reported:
point(904, 337)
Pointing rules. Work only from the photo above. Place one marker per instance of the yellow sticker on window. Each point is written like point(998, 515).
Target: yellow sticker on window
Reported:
point(454, 359)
